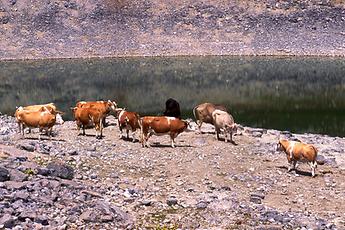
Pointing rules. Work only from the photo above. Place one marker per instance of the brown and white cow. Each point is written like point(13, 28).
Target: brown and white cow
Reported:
point(128, 121)
point(161, 125)
point(203, 113)
point(85, 117)
point(42, 119)
point(298, 151)
point(104, 106)
point(50, 107)
point(224, 122)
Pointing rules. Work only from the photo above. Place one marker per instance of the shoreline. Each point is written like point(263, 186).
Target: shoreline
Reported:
point(278, 55)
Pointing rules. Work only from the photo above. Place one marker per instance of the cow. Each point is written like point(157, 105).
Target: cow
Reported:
point(223, 121)
point(128, 121)
point(104, 106)
point(50, 107)
point(172, 108)
point(298, 151)
point(85, 117)
point(161, 125)
point(203, 113)
point(42, 119)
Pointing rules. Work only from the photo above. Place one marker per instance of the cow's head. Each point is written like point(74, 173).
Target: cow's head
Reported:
point(189, 126)
point(279, 146)
point(112, 105)
point(118, 111)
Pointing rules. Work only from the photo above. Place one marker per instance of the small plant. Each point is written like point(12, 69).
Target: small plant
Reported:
point(29, 172)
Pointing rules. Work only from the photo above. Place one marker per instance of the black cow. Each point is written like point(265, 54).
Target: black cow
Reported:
point(172, 108)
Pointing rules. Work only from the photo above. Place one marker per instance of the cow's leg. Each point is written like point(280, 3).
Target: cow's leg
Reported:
point(225, 136)
point(173, 136)
point(121, 131)
point(133, 135)
point(127, 133)
point(145, 138)
point(83, 130)
point(101, 129)
point(313, 166)
point(50, 132)
point(104, 122)
point(19, 127)
point(217, 133)
point(292, 165)
point(199, 123)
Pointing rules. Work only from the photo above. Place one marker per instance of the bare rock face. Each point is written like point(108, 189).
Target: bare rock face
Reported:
point(46, 29)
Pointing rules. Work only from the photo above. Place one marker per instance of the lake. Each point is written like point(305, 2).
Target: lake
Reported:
point(284, 93)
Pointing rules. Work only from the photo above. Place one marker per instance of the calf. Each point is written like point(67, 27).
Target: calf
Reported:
point(104, 106)
point(298, 151)
point(203, 113)
point(224, 121)
point(42, 119)
point(129, 121)
point(161, 126)
point(85, 117)
point(172, 108)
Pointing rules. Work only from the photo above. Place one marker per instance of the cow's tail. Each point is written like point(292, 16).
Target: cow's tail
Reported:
point(195, 114)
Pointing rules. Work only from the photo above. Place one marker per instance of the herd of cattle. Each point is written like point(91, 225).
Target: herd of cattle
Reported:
point(94, 113)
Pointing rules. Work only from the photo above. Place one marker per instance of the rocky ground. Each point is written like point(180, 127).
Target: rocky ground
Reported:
point(78, 182)
point(102, 28)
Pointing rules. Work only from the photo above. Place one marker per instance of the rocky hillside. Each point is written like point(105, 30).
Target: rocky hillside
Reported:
point(78, 182)
point(77, 28)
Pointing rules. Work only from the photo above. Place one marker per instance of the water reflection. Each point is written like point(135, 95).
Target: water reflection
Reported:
point(297, 94)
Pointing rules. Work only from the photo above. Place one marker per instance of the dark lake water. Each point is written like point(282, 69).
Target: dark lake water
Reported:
point(295, 94)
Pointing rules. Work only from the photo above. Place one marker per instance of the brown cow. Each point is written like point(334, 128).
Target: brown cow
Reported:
point(85, 117)
point(203, 113)
point(42, 119)
point(129, 121)
point(298, 151)
point(225, 122)
point(50, 106)
point(162, 125)
point(104, 106)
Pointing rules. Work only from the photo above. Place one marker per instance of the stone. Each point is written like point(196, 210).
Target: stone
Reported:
point(88, 216)
point(72, 153)
point(23, 195)
point(146, 202)
point(60, 170)
point(15, 185)
point(7, 221)
point(27, 147)
point(256, 198)
point(4, 174)
point(106, 218)
point(172, 201)
point(27, 214)
point(42, 219)
point(43, 171)
point(201, 205)
point(16, 175)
